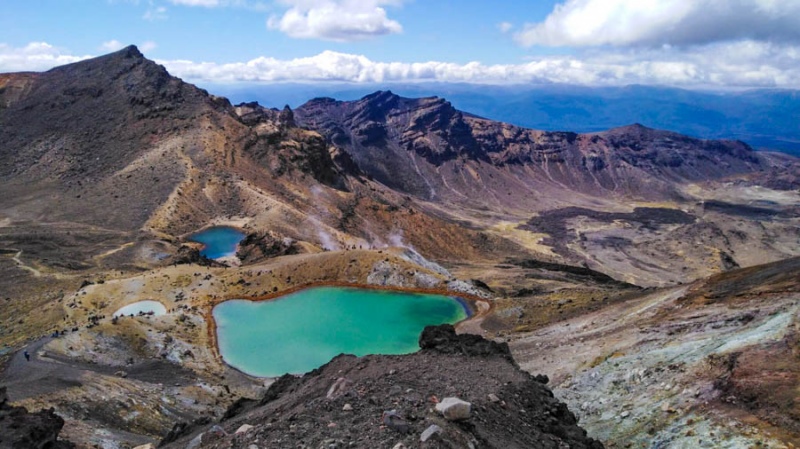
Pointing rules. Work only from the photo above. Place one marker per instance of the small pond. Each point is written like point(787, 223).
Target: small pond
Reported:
point(218, 241)
point(142, 306)
point(306, 329)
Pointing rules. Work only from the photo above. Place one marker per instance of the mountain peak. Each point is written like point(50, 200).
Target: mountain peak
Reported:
point(131, 51)
point(379, 95)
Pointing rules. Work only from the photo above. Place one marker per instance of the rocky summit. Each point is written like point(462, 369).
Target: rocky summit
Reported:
point(626, 288)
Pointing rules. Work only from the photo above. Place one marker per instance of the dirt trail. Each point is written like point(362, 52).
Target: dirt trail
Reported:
point(47, 373)
point(38, 376)
point(22, 265)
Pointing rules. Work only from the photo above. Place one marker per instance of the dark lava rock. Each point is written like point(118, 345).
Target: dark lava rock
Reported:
point(445, 340)
point(20, 429)
point(262, 245)
point(391, 400)
point(189, 255)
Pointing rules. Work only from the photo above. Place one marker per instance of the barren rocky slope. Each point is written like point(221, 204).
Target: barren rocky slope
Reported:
point(711, 364)
point(346, 402)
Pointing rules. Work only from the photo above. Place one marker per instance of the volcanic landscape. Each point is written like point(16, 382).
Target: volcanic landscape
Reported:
point(626, 288)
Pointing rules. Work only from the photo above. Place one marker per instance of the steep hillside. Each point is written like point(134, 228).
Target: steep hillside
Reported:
point(101, 141)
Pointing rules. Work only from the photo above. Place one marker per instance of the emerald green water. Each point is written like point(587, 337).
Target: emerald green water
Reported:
point(304, 330)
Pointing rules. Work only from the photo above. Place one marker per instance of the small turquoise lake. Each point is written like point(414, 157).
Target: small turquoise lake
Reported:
point(304, 330)
point(218, 241)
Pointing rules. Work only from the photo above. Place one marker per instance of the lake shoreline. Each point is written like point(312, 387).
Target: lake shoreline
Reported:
point(476, 308)
point(241, 234)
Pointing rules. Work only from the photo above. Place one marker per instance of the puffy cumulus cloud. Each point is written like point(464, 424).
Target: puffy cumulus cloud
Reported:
point(741, 64)
point(335, 20)
point(36, 56)
point(745, 64)
point(664, 22)
point(112, 45)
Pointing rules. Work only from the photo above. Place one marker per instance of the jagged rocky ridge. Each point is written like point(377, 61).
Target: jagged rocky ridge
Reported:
point(427, 147)
point(343, 404)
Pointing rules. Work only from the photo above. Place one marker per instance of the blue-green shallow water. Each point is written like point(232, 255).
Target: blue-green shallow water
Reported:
point(304, 330)
point(219, 241)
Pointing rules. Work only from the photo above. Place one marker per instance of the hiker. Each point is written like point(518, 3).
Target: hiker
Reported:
point(27, 355)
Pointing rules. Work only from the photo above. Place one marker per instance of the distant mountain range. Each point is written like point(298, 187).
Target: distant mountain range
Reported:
point(765, 119)
point(119, 143)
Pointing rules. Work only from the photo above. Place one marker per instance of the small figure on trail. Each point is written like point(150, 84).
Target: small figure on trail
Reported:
point(27, 355)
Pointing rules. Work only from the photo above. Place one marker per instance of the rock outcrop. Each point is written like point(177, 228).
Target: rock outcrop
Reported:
point(22, 429)
point(390, 401)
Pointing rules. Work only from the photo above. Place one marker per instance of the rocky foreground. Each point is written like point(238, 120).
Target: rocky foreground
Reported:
point(20, 429)
point(459, 391)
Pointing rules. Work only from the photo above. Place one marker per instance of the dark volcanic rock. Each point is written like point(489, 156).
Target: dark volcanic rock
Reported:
point(356, 402)
point(425, 147)
point(20, 429)
point(258, 246)
point(384, 133)
point(277, 143)
point(444, 339)
point(189, 255)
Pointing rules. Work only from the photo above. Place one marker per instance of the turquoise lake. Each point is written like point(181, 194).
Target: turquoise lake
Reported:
point(218, 241)
point(306, 329)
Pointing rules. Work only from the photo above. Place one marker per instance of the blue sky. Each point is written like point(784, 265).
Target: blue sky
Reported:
point(686, 43)
point(455, 31)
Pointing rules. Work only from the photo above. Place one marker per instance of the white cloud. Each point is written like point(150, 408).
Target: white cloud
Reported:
point(155, 13)
point(730, 65)
point(505, 27)
point(742, 64)
point(664, 22)
point(335, 20)
point(112, 45)
point(147, 46)
point(36, 56)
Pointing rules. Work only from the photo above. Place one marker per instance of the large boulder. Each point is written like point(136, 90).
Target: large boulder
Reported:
point(454, 409)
